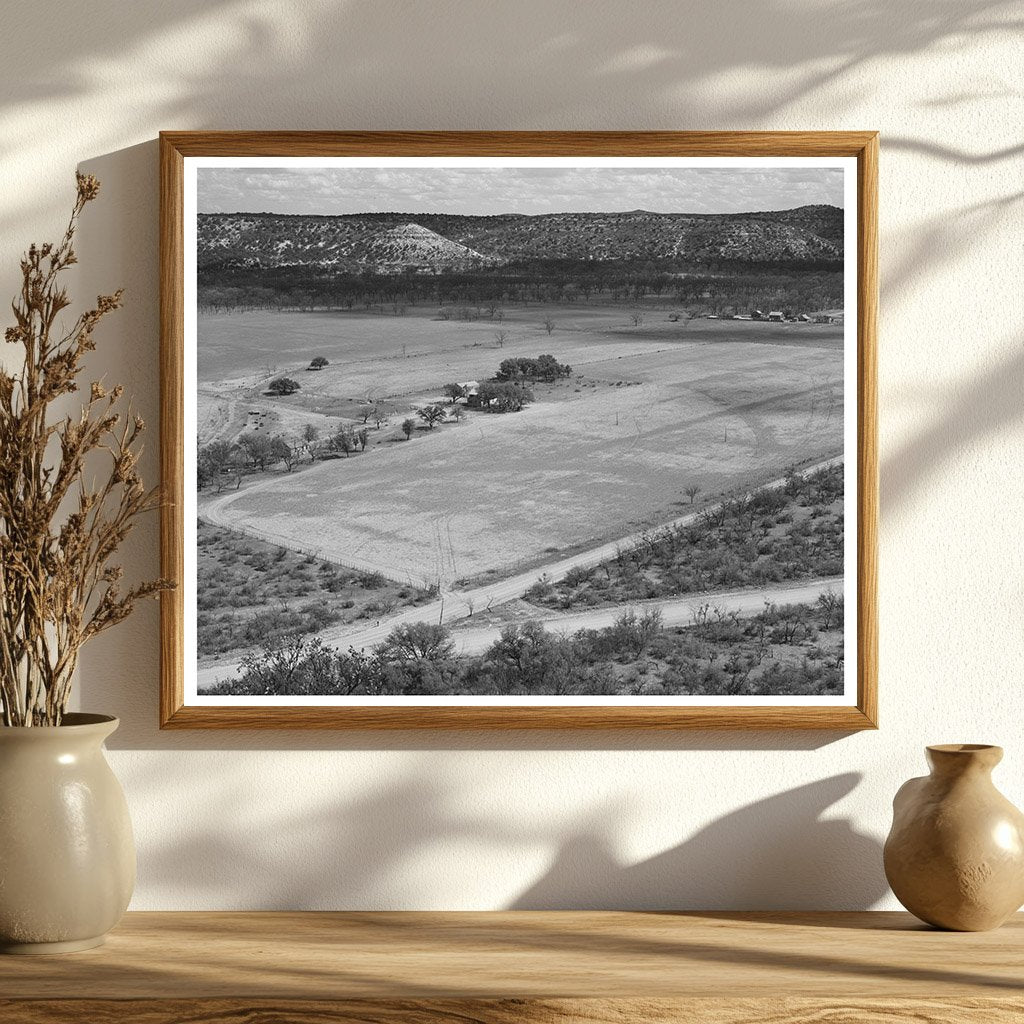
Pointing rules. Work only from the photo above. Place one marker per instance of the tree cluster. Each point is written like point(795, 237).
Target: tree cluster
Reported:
point(503, 396)
point(544, 368)
point(715, 286)
point(223, 463)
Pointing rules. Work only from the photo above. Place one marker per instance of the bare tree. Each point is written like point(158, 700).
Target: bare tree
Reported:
point(431, 414)
point(344, 441)
point(256, 447)
point(501, 337)
point(691, 492)
point(418, 641)
point(310, 436)
point(831, 606)
point(282, 451)
point(788, 620)
point(548, 324)
point(366, 411)
point(211, 461)
point(637, 318)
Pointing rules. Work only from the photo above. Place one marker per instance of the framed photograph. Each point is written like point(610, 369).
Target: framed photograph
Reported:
point(519, 430)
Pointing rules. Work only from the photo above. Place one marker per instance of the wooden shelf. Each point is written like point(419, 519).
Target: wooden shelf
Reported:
point(300, 968)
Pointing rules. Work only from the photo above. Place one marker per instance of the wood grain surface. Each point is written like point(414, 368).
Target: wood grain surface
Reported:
point(487, 143)
point(176, 146)
point(526, 954)
point(516, 1011)
point(524, 966)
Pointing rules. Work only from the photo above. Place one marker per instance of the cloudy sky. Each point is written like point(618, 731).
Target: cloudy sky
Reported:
point(489, 190)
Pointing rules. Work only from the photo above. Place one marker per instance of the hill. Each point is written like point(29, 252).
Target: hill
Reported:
point(435, 243)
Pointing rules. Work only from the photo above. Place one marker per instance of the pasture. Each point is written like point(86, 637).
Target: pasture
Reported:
point(648, 412)
point(407, 359)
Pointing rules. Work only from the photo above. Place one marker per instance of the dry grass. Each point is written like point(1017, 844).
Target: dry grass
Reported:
point(789, 533)
point(595, 457)
point(70, 490)
point(250, 591)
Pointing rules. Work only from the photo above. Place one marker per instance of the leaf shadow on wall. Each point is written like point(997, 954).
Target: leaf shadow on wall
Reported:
point(404, 843)
point(989, 405)
point(661, 54)
point(534, 64)
point(321, 65)
point(777, 853)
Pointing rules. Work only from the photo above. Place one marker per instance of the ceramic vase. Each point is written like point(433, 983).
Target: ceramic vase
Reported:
point(955, 855)
point(67, 855)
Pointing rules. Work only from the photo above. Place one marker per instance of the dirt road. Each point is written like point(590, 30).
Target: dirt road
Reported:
point(454, 606)
point(676, 611)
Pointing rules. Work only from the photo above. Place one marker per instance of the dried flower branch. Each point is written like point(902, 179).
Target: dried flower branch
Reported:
point(57, 586)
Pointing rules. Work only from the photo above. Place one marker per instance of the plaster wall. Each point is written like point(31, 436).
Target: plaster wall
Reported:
point(450, 821)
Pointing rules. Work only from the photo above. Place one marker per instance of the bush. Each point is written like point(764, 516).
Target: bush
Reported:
point(283, 386)
point(744, 541)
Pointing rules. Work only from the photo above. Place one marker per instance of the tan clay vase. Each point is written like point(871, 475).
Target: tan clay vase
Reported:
point(67, 857)
point(955, 855)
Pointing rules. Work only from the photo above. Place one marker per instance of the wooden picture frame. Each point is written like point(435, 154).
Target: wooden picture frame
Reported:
point(177, 710)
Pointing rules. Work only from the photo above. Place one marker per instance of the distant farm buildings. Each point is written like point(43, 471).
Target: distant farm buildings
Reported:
point(780, 316)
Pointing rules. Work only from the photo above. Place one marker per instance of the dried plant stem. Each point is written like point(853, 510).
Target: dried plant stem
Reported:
point(58, 587)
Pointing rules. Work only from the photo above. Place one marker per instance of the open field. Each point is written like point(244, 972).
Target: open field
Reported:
point(606, 452)
point(477, 635)
point(401, 357)
point(240, 344)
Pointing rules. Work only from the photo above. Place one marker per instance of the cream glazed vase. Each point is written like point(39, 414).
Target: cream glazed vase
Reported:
point(955, 855)
point(67, 856)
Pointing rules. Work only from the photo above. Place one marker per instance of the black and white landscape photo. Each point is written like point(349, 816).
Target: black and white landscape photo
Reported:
point(521, 431)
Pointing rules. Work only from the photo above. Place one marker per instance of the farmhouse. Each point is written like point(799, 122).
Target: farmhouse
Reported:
point(776, 316)
point(470, 392)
